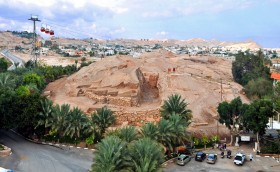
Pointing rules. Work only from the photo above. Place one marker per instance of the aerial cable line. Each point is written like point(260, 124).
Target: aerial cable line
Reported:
point(76, 31)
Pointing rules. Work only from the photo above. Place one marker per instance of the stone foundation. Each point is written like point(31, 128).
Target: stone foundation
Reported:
point(138, 118)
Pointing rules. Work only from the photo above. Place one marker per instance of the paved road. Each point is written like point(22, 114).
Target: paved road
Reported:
point(14, 59)
point(31, 157)
point(259, 164)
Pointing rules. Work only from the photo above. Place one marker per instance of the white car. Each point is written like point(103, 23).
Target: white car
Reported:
point(5, 170)
point(239, 159)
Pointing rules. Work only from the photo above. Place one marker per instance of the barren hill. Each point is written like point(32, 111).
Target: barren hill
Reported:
point(9, 40)
point(136, 88)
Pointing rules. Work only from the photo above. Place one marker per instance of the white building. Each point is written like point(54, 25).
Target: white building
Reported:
point(274, 123)
point(44, 51)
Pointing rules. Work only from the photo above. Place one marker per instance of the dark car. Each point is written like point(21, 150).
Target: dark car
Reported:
point(211, 158)
point(200, 156)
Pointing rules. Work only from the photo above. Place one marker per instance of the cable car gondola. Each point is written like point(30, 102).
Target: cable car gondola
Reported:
point(43, 29)
point(51, 32)
point(47, 31)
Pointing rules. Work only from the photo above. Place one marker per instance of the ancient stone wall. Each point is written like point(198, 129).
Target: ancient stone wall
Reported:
point(128, 98)
point(137, 118)
point(120, 101)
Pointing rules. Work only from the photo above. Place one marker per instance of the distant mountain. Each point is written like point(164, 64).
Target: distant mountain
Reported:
point(213, 43)
point(13, 39)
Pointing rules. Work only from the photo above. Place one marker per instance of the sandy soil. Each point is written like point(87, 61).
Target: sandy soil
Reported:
point(51, 60)
point(199, 79)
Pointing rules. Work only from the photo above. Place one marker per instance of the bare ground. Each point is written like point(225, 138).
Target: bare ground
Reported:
point(202, 81)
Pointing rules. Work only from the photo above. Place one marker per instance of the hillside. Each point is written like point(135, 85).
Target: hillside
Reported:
point(9, 40)
point(136, 88)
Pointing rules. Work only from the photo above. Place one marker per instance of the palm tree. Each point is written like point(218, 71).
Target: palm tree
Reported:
point(110, 155)
point(76, 122)
point(166, 133)
point(175, 104)
point(146, 155)
point(180, 127)
point(103, 118)
point(6, 80)
point(128, 134)
point(149, 130)
point(45, 116)
point(60, 114)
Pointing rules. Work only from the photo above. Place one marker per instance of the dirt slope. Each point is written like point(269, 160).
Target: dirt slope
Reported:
point(139, 86)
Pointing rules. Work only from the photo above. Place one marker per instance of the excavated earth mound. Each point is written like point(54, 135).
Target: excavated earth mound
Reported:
point(135, 88)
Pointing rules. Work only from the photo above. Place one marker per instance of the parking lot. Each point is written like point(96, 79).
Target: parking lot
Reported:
point(259, 164)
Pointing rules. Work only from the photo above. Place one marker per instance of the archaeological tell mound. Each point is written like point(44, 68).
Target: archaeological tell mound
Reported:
point(135, 88)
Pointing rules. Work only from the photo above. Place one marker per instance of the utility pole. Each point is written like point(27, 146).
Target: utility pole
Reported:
point(35, 48)
point(221, 102)
point(221, 89)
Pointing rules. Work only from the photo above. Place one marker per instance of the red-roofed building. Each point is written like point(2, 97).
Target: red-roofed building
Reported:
point(275, 76)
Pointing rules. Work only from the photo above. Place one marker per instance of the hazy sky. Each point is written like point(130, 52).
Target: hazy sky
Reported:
point(225, 20)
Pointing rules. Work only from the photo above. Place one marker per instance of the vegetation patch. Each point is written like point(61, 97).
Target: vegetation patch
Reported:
point(1, 147)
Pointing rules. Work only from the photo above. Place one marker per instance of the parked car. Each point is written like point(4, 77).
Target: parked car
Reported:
point(212, 158)
point(200, 156)
point(5, 170)
point(183, 159)
point(239, 158)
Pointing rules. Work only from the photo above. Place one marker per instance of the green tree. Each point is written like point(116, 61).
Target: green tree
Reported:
point(166, 134)
point(103, 118)
point(3, 65)
point(60, 114)
point(91, 54)
point(33, 78)
point(175, 104)
point(22, 91)
point(83, 59)
point(247, 67)
point(25, 110)
point(45, 115)
point(76, 123)
point(259, 88)
point(256, 116)
point(196, 141)
point(146, 155)
point(128, 134)
point(215, 139)
point(229, 114)
point(276, 97)
point(110, 155)
point(180, 132)
point(7, 99)
point(150, 130)
point(205, 141)
point(7, 81)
